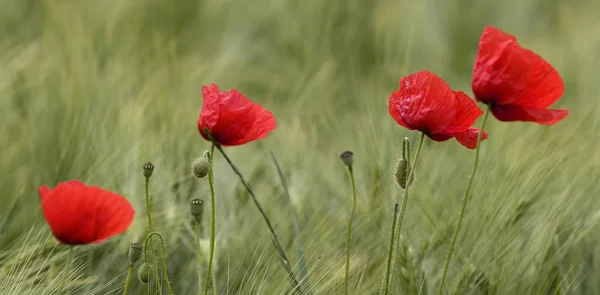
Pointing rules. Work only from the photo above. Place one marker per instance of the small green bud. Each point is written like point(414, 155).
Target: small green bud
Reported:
point(402, 171)
point(135, 252)
point(348, 158)
point(197, 209)
point(148, 169)
point(200, 167)
point(146, 273)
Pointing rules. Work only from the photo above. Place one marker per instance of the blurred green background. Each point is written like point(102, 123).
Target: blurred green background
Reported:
point(91, 90)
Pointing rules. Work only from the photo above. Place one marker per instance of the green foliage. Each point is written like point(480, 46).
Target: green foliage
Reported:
point(93, 89)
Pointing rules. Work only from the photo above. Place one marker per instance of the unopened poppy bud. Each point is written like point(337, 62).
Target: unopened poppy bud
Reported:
point(135, 252)
point(148, 169)
point(200, 167)
point(145, 273)
point(197, 209)
point(348, 158)
point(402, 170)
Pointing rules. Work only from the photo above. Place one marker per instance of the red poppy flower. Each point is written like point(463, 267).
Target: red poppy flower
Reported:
point(79, 214)
point(518, 83)
point(233, 119)
point(426, 103)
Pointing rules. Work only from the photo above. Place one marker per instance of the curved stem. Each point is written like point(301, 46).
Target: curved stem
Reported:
point(212, 218)
point(129, 270)
point(465, 200)
point(403, 207)
point(149, 213)
point(198, 256)
point(282, 257)
point(164, 255)
point(391, 250)
point(351, 172)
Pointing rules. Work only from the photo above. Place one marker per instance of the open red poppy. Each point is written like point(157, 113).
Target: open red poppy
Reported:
point(518, 83)
point(426, 103)
point(79, 214)
point(233, 119)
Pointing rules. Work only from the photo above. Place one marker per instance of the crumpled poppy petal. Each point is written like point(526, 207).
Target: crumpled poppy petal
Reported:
point(469, 138)
point(467, 113)
point(42, 191)
point(424, 102)
point(78, 214)
point(394, 109)
point(210, 108)
point(518, 113)
point(238, 119)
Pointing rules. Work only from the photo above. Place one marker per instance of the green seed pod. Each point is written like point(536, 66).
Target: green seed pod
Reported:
point(135, 252)
point(200, 167)
point(402, 171)
point(146, 273)
point(348, 158)
point(148, 169)
point(197, 209)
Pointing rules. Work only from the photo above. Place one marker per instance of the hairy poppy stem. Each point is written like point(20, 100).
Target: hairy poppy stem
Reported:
point(149, 213)
point(351, 172)
point(465, 200)
point(400, 219)
point(391, 250)
point(198, 255)
point(129, 271)
point(164, 254)
point(282, 257)
point(212, 219)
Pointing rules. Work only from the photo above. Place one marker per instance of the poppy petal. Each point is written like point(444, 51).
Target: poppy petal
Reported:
point(394, 109)
point(79, 214)
point(240, 126)
point(425, 102)
point(467, 113)
point(510, 113)
point(469, 138)
point(210, 108)
point(43, 190)
point(507, 74)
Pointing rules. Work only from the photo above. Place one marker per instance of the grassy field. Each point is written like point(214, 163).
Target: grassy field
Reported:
point(91, 90)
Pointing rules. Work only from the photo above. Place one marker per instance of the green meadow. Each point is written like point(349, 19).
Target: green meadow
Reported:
point(92, 90)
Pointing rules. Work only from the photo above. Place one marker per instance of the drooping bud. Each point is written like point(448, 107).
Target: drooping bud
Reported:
point(348, 158)
point(148, 169)
point(197, 209)
point(145, 273)
point(201, 165)
point(135, 252)
point(403, 167)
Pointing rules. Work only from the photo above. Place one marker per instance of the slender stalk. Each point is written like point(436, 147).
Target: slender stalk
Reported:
point(465, 200)
point(212, 218)
point(351, 172)
point(67, 270)
point(164, 255)
point(149, 213)
point(391, 250)
point(282, 257)
point(198, 256)
point(129, 271)
point(404, 203)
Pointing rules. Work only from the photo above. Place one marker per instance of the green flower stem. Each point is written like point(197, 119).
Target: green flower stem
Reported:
point(391, 250)
point(129, 271)
point(198, 256)
point(351, 172)
point(282, 257)
point(212, 218)
point(149, 213)
point(403, 208)
point(164, 254)
point(67, 270)
point(465, 200)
